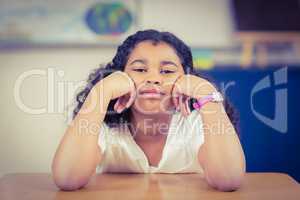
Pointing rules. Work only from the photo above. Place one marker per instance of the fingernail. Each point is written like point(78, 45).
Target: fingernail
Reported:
point(116, 105)
point(119, 110)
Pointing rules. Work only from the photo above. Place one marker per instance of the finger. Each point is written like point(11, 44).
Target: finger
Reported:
point(131, 99)
point(175, 100)
point(181, 105)
point(122, 104)
point(117, 104)
point(175, 95)
point(118, 107)
point(187, 105)
point(132, 95)
point(125, 101)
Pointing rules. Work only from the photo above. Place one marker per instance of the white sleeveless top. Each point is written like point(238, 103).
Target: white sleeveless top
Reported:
point(180, 154)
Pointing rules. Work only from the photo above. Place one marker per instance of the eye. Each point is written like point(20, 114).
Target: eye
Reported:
point(166, 71)
point(140, 70)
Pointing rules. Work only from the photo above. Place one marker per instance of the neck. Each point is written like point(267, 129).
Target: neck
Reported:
point(145, 127)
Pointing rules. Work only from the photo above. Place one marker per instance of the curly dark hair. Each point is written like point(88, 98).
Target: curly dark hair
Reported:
point(119, 61)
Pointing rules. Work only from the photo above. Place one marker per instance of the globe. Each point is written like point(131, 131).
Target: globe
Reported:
point(108, 18)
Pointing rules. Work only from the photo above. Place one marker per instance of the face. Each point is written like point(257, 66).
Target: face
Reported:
point(154, 68)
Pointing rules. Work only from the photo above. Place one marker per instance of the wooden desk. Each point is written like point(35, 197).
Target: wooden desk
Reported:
point(148, 186)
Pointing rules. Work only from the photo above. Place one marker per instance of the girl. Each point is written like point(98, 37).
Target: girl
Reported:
point(148, 112)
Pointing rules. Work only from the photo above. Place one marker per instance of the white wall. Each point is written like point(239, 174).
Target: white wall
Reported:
point(198, 22)
point(28, 141)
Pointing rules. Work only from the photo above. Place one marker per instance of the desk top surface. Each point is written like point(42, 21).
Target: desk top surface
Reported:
point(149, 186)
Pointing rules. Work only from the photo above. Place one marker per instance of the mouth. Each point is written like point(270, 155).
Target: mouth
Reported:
point(151, 93)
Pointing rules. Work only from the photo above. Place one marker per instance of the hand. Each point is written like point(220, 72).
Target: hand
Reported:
point(187, 87)
point(123, 88)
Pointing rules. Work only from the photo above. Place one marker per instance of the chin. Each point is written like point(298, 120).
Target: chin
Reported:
point(149, 107)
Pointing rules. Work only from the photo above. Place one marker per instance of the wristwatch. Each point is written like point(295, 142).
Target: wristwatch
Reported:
point(213, 97)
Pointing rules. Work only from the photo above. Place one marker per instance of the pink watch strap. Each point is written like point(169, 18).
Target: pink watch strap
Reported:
point(201, 102)
point(214, 97)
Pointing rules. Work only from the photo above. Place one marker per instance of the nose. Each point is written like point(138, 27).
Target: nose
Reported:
point(153, 78)
point(153, 82)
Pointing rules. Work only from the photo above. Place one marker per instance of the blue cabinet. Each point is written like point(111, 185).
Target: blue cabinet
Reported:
point(268, 102)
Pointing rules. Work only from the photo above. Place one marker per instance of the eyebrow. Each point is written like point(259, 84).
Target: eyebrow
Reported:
point(139, 61)
point(165, 62)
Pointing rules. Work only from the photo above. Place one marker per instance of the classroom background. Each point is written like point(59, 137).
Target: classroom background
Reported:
point(250, 49)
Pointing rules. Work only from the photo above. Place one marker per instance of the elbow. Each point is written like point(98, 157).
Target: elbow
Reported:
point(66, 186)
point(226, 182)
point(69, 183)
point(226, 177)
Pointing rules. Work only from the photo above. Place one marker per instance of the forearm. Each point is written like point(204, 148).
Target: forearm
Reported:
point(78, 153)
point(221, 155)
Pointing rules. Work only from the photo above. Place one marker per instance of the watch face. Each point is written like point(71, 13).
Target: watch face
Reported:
point(217, 97)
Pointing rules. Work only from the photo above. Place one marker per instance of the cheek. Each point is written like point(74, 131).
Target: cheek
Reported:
point(170, 82)
point(168, 86)
point(136, 79)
